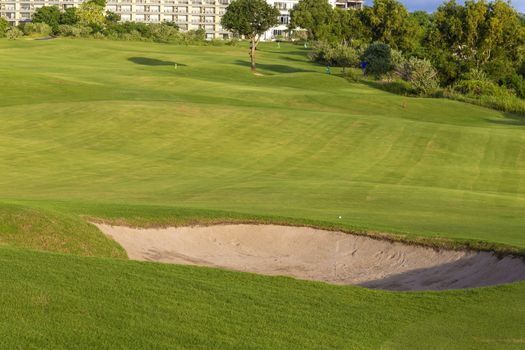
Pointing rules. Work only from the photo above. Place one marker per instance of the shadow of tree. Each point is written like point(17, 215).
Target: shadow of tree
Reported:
point(276, 68)
point(509, 119)
point(147, 61)
point(296, 59)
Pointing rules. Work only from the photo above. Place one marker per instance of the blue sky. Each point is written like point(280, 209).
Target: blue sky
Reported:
point(431, 5)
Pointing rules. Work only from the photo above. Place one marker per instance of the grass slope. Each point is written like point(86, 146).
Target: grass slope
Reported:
point(112, 130)
point(105, 122)
point(58, 302)
point(38, 229)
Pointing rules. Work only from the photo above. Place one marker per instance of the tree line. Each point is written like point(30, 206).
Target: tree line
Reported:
point(475, 49)
point(90, 19)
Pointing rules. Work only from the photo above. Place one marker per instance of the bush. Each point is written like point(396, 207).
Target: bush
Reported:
point(232, 42)
point(37, 29)
point(420, 73)
point(521, 69)
point(49, 15)
point(378, 58)
point(397, 59)
point(507, 103)
point(477, 88)
point(163, 32)
point(4, 25)
point(516, 83)
point(334, 55)
point(76, 31)
point(158, 32)
point(69, 16)
point(397, 86)
point(321, 53)
point(13, 33)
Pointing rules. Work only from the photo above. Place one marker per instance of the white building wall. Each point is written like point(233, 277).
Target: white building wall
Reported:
point(188, 14)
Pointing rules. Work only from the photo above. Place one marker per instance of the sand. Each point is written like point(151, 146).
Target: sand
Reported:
point(312, 254)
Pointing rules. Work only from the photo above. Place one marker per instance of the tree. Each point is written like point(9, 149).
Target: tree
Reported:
point(378, 58)
point(69, 16)
point(250, 18)
point(3, 27)
point(314, 16)
point(49, 15)
point(346, 28)
point(91, 14)
point(421, 22)
point(477, 35)
point(101, 3)
point(112, 17)
point(388, 22)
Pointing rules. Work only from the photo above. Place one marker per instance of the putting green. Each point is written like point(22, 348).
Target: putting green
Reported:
point(114, 130)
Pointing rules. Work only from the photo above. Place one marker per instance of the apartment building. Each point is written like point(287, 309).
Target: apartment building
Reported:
point(188, 14)
point(281, 30)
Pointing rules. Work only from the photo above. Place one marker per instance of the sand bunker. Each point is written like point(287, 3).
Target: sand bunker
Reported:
point(307, 253)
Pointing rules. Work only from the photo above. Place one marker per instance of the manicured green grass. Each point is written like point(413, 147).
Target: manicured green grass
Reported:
point(57, 301)
point(53, 231)
point(81, 122)
point(112, 130)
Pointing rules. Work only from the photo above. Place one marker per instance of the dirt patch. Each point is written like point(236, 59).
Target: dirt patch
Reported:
point(306, 253)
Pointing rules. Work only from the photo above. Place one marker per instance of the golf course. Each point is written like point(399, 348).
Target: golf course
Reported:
point(149, 135)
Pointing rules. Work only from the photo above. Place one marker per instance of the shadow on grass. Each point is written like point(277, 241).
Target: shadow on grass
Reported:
point(276, 68)
point(509, 119)
point(146, 61)
point(300, 51)
point(394, 87)
point(293, 59)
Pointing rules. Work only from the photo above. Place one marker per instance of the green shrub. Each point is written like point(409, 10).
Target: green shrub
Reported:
point(397, 86)
point(337, 55)
point(476, 88)
point(516, 83)
point(69, 16)
point(98, 35)
point(232, 42)
point(4, 25)
point(321, 53)
point(378, 58)
point(163, 32)
point(49, 15)
point(76, 31)
point(13, 33)
point(521, 69)
point(397, 59)
point(506, 103)
point(37, 29)
point(421, 74)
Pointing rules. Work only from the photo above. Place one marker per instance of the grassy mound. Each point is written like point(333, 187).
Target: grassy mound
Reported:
point(53, 231)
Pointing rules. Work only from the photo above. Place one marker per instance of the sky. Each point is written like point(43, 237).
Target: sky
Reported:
point(431, 5)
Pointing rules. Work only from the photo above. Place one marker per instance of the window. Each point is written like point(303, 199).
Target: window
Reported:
point(284, 19)
point(281, 6)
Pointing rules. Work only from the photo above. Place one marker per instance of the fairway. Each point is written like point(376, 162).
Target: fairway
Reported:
point(151, 135)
